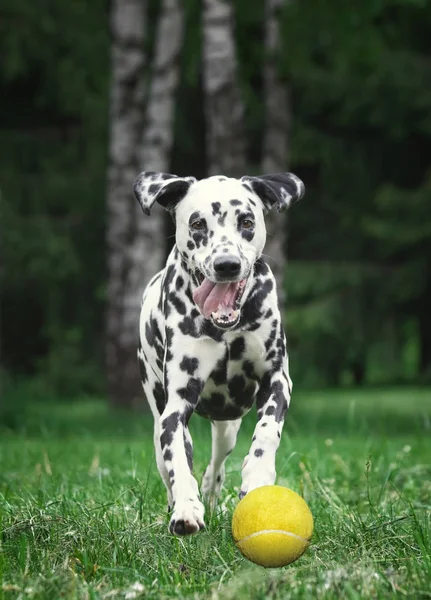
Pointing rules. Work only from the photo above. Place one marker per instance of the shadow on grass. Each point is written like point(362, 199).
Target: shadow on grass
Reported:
point(384, 412)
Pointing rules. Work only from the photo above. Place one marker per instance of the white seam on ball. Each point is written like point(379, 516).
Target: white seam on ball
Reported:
point(289, 533)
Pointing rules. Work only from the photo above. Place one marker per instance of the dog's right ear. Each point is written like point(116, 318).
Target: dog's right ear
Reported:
point(167, 189)
point(279, 189)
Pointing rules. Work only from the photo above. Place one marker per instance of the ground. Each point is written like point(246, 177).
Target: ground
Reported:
point(83, 511)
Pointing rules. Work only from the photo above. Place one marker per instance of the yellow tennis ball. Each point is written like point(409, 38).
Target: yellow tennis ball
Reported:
point(272, 526)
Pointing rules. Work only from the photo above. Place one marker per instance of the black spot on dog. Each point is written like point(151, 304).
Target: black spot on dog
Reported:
point(142, 369)
point(216, 208)
point(167, 455)
point(190, 245)
point(189, 452)
point(219, 375)
point(248, 369)
point(236, 387)
point(247, 234)
point(189, 326)
point(235, 202)
point(153, 189)
point(179, 283)
point(270, 341)
point(192, 390)
point(252, 202)
point(237, 348)
point(277, 395)
point(258, 452)
point(189, 296)
point(170, 274)
point(169, 425)
point(159, 396)
point(178, 304)
point(149, 335)
point(200, 238)
point(209, 329)
point(252, 309)
point(277, 389)
point(189, 364)
point(215, 408)
point(217, 398)
point(261, 268)
point(222, 218)
point(169, 338)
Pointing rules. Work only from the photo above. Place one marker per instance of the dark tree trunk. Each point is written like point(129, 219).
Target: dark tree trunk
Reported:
point(357, 368)
point(424, 317)
point(276, 139)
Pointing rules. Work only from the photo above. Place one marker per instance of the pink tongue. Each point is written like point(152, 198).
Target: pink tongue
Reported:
point(210, 295)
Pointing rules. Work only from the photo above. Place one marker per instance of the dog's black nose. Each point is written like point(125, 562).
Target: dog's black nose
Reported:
point(227, 266)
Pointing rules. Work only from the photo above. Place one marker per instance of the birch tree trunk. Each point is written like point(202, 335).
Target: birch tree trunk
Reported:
point(276, 138)
point(224, 108)
point(141, 139)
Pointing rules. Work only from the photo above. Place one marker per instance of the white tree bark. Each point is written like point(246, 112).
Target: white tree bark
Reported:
point(224, 108)
point(147, 250)
point(141, 139)
point(276, 138)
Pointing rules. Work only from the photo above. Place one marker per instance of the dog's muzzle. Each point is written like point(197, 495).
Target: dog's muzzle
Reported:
point(220, 301)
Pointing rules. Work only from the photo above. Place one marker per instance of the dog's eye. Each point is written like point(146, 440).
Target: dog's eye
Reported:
point(247, 224)
point(197, 225)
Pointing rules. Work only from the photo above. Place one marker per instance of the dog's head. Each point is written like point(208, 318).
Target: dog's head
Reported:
point(220, 229)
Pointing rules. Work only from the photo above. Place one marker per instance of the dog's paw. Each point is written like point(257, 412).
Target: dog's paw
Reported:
point(187, 517)
point(254, 477)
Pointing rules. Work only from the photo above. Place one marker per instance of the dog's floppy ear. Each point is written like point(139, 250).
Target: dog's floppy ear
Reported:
point(281, 189)
point(167, 189)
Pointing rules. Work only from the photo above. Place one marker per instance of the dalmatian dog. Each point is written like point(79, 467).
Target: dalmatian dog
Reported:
point(211, 335)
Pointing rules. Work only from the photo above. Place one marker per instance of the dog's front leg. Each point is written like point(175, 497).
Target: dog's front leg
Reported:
point(273, 400)
point(184, 378)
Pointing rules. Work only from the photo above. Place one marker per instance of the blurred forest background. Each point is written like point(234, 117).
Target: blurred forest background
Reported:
point(93, 92)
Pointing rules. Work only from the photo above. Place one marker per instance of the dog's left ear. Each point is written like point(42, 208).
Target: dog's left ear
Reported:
point(167, 189)
point(280, 189)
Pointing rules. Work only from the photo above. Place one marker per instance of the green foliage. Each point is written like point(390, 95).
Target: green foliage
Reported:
point(54, 78)
point(83, 510)
point(361, 95)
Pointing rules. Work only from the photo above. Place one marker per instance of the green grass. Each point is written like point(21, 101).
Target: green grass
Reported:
point(83, 511)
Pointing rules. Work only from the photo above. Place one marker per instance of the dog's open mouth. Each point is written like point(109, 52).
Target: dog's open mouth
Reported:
point(220, 301)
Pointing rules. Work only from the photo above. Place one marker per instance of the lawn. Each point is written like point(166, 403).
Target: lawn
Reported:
point(83, 511)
